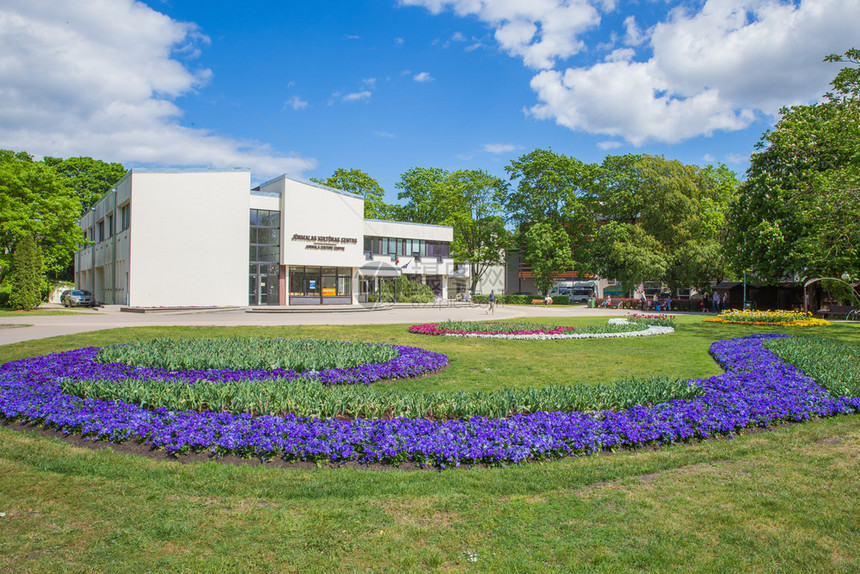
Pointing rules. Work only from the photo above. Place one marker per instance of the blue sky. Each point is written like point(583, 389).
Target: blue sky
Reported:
point(304, 88)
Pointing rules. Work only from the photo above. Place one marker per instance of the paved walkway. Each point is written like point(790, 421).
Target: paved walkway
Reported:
point(83, 320)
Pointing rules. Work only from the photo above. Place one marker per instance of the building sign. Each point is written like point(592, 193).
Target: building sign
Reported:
point(325, 242)
point(329, 291)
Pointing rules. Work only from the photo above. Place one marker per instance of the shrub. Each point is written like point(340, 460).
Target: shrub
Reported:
point(26, 291)
point(407, 291)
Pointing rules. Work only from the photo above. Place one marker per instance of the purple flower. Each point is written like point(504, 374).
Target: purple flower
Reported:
point(758, 389)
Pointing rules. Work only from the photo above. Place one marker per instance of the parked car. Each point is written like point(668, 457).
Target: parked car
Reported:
point(78, 298)
point(63, 296)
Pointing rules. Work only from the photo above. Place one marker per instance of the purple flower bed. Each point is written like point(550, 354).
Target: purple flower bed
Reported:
point(758, 389)
point(410, 362)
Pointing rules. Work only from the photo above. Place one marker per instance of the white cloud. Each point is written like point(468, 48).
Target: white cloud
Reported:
point(369, 82)
point(296, 103)
point(382, 134)
point(398, 41)
point(423, 77)
point(736, 158)
point(609, 144)
point(357, 96)
point(712, 70)
point(538, 31)
point(708, 158)
point(633, 35)
point(99, 79)
point(499, 148)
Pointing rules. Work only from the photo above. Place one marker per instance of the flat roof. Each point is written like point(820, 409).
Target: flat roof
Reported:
point(306, 182)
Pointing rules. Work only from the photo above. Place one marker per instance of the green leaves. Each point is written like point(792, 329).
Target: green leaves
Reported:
point(359, 182)
point(241, 354)
point(312, 399)
point(833, 364)
point(798, 209)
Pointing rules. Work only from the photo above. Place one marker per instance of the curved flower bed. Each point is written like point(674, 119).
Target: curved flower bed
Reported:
point(768, 318)
point(758, 389)
point(544, 334)
point(410, 362)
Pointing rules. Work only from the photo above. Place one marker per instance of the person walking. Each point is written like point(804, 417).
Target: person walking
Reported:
point(715, 302)
point(491, 308)
point(643, 301)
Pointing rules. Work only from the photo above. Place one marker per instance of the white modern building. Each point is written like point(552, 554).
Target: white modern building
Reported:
point(205, 238)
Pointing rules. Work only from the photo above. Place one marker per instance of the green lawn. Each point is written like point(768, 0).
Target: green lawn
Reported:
point(34, 313)
point(783, 500)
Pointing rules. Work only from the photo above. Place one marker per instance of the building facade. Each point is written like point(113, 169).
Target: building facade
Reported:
point(205, 238)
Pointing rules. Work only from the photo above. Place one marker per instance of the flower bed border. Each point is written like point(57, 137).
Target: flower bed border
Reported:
point(759, 389)
point(559, 333)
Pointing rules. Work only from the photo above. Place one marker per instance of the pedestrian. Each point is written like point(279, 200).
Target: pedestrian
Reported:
point(491, 308)
point(669, 303)
point(643, 301)
point(715, 302)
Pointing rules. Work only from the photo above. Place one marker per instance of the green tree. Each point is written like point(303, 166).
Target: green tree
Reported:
point(473, 203)
point(35, 201)
point(546, 249)
point(26, 274)
point(423, 188)
point(88, 178)
point(554, 189)
point(627, 253)
point(797, 212)
point(360, 183)
point(678, 211)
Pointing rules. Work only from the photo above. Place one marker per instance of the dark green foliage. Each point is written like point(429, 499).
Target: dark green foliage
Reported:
point(88, 178)
point(27, 277)
point(798, 210)
point(834, 364)
point(267, 354)
point(307, 398)
point(35, 201)
point(406, 291)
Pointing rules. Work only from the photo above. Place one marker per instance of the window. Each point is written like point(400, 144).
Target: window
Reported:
point(100, 227)
point(124, 217)
point(110, 225)
point(395, 246)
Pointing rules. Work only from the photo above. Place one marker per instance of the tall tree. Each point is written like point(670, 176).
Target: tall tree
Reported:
point(678, 211)
point(546, 249)
point(35, 201)
point(360, 183)
point(26, 274)
point(88, 178)
point(553, 189)
point(627, 253)
point(473, 203)
point(421, 187)
point(798, 210)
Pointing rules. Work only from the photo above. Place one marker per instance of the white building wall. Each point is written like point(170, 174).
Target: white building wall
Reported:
point(320, 227)
point(189, 238)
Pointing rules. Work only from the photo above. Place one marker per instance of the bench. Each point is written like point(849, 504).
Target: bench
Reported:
point(843, 311)
point(539, 302)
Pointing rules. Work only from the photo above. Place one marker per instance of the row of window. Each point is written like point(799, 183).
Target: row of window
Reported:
point(320, 281)
point(104, 229)
point(407, 247)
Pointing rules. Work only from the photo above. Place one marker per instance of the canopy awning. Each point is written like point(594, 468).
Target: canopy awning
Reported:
point(378, 269)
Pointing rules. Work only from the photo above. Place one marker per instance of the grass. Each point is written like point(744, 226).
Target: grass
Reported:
point(34, 313)
point(780, 500)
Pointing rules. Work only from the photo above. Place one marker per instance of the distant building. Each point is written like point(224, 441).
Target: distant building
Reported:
point(199, 238)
